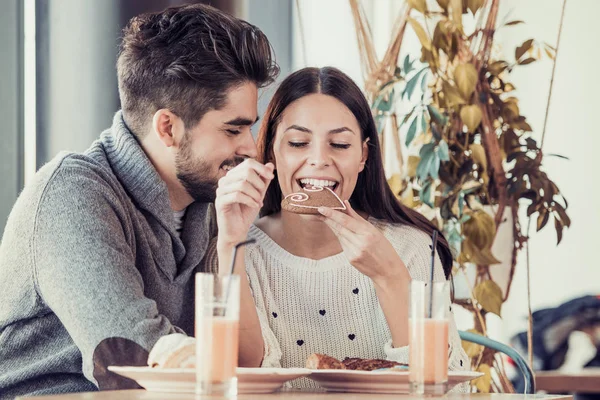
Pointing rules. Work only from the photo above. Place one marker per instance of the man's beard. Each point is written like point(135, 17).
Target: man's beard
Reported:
point(195, 173)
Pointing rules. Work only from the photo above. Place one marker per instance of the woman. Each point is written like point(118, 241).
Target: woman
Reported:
point(336, 283)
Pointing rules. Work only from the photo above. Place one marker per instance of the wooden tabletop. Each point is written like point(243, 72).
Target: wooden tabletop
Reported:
point(144, 395)
point(584, 381)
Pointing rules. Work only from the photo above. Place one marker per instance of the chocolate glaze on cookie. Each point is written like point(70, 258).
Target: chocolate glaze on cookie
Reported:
point(310, 199)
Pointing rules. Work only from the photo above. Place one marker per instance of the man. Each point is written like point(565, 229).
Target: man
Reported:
point(99, 254)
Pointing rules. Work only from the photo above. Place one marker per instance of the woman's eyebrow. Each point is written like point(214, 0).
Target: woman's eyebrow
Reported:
point(340, 130)
point(298, 128)
point(333, 131)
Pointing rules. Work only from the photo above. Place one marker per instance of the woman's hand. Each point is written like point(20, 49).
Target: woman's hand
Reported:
point(371, 253)
point(365, 246)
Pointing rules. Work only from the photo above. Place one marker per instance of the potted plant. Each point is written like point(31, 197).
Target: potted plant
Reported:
point(477, 160)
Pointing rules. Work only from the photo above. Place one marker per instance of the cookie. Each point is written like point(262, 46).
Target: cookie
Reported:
point(310, 199)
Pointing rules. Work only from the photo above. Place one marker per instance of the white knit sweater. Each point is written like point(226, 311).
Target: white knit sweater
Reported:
point(327, 306)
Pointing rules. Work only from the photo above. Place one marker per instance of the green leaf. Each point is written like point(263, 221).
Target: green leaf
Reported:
point(427, 155)
point(425, 194)
point(423, 123)
point(412, 130)
point(489, 295)
point(412, 83)
point(424, 82)
point(443, 151)
point(408, 65)
point(435, 114)
point(436, 134)
point(435, 166)
point(426, 150)
point(454, 240)
point(384, 105)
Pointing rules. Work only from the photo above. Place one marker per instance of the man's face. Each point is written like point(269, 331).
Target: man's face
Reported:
point(220, 141)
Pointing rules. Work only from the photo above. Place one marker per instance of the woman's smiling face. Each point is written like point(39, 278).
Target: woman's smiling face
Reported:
point(318, 142)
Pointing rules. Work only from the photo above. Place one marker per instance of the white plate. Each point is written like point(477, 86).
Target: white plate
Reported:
point(250, 380)
point(337, 380)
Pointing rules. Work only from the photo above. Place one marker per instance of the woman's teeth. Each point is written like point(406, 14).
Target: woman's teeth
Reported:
point(317, 182)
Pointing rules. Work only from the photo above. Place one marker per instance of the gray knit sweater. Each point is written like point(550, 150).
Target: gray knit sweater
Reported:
point(92, 271)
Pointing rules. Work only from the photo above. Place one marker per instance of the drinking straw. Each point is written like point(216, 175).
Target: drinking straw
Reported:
point(233, 258)
point(433, 246)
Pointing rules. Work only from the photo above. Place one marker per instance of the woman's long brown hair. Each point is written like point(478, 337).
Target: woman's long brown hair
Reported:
point(372, 193)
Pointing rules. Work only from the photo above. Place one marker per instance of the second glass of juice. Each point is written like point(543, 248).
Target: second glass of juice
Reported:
point(217, 334)
point(428, 337)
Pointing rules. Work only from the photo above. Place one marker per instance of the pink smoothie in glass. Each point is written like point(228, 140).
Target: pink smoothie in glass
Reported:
point(428, 350)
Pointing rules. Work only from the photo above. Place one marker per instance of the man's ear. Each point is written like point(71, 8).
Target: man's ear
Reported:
point(365, 154)
point(168, 127)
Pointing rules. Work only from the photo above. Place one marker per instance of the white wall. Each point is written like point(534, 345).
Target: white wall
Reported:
point(571, 269)
point(558, 273)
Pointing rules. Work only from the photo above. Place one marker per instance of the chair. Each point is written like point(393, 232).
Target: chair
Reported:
point(524, 368)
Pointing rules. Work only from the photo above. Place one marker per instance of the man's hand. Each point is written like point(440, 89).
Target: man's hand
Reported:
point(240, 196)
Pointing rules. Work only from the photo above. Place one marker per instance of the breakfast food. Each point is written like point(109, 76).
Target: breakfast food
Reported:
point(322, 361)
point(310, 199)
point(365, 364)
point(173, 351)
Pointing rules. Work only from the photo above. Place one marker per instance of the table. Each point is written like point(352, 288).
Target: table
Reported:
point(584, 381)
point(144, 395)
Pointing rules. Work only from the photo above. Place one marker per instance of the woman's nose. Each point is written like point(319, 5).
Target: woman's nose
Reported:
point(319, 158)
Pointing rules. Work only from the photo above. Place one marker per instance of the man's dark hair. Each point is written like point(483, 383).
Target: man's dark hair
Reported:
point(186, 59)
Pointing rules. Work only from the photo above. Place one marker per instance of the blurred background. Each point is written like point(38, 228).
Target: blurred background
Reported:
point(58, 91)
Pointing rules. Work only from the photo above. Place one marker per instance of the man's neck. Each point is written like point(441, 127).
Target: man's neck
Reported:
point(178, 196)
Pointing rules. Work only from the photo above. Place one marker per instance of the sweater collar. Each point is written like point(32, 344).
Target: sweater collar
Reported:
point(141, 180)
